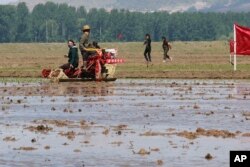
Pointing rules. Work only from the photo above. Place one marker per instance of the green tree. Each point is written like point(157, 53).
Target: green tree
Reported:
point(38, 22)
point(22, 23)
point(67, 21)
point(52, 22)
point(7, 23)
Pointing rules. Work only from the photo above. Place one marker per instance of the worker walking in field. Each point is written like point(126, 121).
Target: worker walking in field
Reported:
point(147, 51)
point(84, 44)
point(73, 58)
point(166, 46)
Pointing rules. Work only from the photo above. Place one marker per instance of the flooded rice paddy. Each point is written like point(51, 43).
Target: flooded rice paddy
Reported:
point(171, 123)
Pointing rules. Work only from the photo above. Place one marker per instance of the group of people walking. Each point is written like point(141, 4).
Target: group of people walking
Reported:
point(147, 52)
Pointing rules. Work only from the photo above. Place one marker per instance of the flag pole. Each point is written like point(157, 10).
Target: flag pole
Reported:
point(235, 47)
point(230, 59)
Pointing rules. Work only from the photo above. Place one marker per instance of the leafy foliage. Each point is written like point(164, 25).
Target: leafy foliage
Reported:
point(52, 22)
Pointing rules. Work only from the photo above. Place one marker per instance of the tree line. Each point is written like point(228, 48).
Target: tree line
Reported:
point(52, 22)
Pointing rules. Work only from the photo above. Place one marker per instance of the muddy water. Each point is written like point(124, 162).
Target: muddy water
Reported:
point(124, 123)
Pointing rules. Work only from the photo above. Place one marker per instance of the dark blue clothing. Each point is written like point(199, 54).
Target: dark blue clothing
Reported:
point(73, 56)
point(147, 51)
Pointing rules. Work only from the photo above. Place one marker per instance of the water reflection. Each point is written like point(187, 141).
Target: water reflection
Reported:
point(78, 89)
point(59, 89)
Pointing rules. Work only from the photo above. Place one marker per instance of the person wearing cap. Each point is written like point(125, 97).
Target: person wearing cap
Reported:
point(84, 44)
point(147, 51)
point(166, 46)
point(72, 56)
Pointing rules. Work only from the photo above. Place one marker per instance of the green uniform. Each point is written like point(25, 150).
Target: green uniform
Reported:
point(84, 43)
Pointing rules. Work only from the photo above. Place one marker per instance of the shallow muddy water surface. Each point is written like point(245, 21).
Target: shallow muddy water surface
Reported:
point(124, 123)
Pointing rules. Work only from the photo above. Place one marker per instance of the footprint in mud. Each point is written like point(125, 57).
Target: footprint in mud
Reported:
point(70, 135)
point(39, 128)
point(246, 115)
point(118, 143)
point(85, 142)
point(142, 152)
point(77, 150)
point(159, 162)
point(196, 106)
point(105, 132)
point(9, 139)
point(25, 148)
point(246, 135)
point(47, 147)
point(155, 149)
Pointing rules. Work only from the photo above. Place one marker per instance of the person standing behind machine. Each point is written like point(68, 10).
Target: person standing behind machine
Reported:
point(84, 44)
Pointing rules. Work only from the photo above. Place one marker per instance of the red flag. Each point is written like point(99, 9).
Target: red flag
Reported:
point(242, 40)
